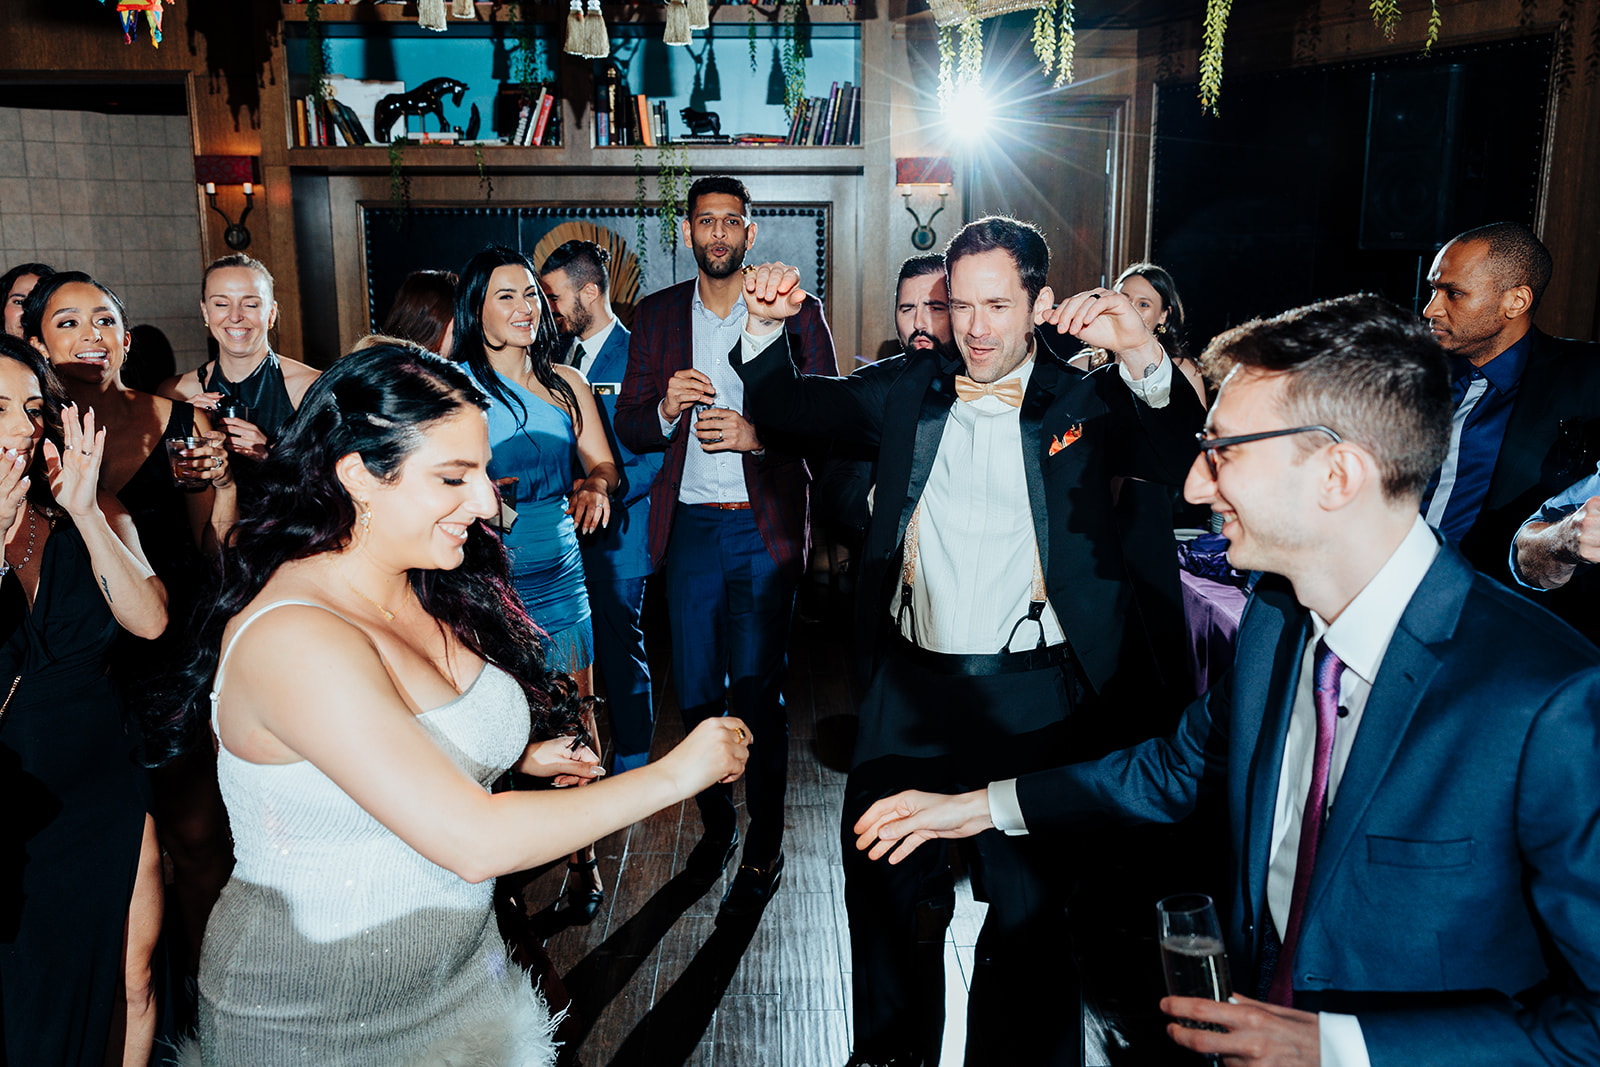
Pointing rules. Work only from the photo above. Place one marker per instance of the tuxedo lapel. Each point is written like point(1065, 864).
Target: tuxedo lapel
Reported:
point(1408, 668)
point(936, 401)
point(1266, 762)
point(1043, 385)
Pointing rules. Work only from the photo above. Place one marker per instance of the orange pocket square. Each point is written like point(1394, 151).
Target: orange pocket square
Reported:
point(1072, 434)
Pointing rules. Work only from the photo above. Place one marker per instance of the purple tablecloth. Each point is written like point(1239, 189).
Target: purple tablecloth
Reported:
point(1211, 612)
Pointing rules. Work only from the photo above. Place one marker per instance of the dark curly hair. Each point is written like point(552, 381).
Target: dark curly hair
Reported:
point(378, 402)
point(470, 346)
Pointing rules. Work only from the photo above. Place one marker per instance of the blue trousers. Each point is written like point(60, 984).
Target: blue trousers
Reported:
point(729, 608)
point(619, 659)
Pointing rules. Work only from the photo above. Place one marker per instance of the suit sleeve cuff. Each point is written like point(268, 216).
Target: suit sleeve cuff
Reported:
point(1341, 1041)
point(754, 346)
point(1004, 810)
point(1155, 388)
point(667, 428)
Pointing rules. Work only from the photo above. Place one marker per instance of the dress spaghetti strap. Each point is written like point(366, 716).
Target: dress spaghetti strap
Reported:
point(216, 685)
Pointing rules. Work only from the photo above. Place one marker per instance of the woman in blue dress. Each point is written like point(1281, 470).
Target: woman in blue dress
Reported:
point(546, 433)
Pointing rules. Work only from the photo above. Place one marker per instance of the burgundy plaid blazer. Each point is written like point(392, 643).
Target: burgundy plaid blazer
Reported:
point(662, 345)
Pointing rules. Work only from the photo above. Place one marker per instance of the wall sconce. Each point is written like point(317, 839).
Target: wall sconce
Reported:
point(212, 171)
point(923, 171)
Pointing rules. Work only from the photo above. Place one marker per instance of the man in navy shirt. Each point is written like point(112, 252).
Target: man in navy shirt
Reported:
point(1527, 405)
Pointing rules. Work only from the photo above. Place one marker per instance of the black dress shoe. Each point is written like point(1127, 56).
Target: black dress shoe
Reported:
point(751, 889)
point(709, 858)
point(583, 899)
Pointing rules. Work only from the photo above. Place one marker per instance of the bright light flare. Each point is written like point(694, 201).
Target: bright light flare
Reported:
point(966, 115)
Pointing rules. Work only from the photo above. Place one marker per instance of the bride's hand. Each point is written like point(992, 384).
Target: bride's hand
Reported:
point(558, 758)
point(715, 751)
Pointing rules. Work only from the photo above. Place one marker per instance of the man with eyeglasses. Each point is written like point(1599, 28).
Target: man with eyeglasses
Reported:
point(1408, 750)
point(728, 524)
point(995, 601)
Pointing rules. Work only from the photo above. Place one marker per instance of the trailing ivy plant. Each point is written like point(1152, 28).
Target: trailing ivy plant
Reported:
point(1216, 27)
point(947, 66)
point(794, 57)
point(1066, 47)
point(1386, 16)
point(485, 182)
point(318, 58)
point(750, 29)
point(399, 181)
point(640, 212)
point(524, 57)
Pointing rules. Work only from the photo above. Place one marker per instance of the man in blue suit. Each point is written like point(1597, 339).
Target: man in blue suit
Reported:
point(1410, 752)
point(616, 560)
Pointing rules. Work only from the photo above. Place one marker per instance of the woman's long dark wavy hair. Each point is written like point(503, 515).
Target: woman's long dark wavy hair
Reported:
point(378, 402)
point(471, 348)
point(55, 401)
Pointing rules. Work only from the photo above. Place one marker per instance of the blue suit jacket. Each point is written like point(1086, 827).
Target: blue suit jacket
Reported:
point(622, 549)
point(1455, 905)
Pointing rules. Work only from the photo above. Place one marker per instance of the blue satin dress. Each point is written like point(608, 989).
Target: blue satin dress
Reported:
point(536, 444)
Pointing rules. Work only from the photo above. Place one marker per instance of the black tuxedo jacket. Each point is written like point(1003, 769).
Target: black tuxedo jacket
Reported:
point(1455, 903)
point(900, 406)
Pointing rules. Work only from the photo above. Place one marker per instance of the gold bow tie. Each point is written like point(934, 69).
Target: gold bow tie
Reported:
point(1008, 391)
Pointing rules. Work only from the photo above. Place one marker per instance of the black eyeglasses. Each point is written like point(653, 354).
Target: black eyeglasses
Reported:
point(1210, 446)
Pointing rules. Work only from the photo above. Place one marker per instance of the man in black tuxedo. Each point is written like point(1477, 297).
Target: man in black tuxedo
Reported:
point(994, 592)
point(1527, 405)
point(1410, 753)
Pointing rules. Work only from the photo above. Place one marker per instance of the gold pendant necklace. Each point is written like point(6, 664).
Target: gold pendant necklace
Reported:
point(387, 614)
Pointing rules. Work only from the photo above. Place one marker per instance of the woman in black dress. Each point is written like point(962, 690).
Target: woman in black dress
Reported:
point(80, 877)
point(80, 326)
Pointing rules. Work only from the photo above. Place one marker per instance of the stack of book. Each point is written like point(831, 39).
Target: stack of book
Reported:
point(534, 120)
point(624, 119)
point(831, 120)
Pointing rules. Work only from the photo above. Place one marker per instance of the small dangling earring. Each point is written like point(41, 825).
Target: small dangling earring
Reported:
point(365, 518)
point(1161, 327)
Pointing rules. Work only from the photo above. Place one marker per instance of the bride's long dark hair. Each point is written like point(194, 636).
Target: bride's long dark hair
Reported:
point(377, 402)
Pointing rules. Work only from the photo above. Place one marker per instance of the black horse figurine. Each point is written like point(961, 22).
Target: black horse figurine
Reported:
point(426, 99)
point(702, 122)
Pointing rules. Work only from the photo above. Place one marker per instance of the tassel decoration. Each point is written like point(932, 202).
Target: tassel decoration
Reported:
point(677, 31)
point(597, 36)
point(463, 9)
point(430, 15)
point(576, 45)
point(699, 14)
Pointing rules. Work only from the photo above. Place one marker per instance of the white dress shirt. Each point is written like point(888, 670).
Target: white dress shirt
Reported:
point(977, 564)
point(714, 477)
point(592, 345)
point(1360, 638)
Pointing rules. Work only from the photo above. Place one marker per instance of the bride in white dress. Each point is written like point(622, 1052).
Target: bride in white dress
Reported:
point(377, 676)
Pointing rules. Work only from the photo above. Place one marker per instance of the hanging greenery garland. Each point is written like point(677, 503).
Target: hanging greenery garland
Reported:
point(399, 181)
point(750, 33)
point(641, 231)
point(794, 58)
point(1216, 27)
point(1044, 35)
point(672, 168)
point(969, 66)
point(1386, 16)
point(946, 88)
point(318, 58)
point(1066, 47)
point(1435, 24)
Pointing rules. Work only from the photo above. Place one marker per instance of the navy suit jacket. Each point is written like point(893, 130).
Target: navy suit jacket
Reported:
point(622, 549)
point(1455, 904)
point(662, 345)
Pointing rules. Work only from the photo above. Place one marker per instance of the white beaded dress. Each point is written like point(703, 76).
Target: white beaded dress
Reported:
point(337, 944)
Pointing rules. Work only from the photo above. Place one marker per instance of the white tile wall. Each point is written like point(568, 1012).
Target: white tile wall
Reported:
point(111, 195)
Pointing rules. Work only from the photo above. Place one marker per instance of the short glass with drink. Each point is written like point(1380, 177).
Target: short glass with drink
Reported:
point(186, 466)
point(1192, 952)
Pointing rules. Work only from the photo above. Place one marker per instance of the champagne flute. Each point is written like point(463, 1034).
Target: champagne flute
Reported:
point(1192, 953)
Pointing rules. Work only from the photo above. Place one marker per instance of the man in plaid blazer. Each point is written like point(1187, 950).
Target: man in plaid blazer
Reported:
point(728, 523)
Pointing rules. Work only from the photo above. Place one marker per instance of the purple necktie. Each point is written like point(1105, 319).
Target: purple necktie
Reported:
point(1325, 697)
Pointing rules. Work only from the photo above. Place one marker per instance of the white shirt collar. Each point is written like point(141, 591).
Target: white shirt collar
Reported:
point(593, 344)
point(1360, 635)
point(736, 315)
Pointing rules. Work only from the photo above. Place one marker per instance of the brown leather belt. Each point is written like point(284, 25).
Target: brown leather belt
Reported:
point(731, 505)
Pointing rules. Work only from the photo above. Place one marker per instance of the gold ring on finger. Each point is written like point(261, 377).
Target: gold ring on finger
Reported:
point(739, 732)
point(747, 269)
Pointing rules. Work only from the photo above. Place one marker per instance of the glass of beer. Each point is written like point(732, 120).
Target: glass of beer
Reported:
point(1191, 951)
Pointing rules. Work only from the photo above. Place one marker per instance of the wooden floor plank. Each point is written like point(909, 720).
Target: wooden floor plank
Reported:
point(813, 1038)
point(747, 1031)
point(809, 975)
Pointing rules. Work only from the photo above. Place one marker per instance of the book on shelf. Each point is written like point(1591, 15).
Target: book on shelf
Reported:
point(541, 122)
point(853, 124)
point(703, 138)
point(647, 134)
point(524, 120)
point(830, 116)
point(300, 122)
point(602, 129)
